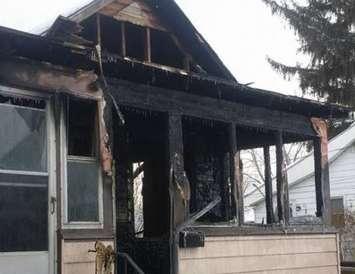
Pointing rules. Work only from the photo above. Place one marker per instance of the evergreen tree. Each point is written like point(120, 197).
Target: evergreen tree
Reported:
point(326, 30)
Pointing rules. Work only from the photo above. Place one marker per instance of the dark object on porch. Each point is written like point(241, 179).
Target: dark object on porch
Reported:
point(191, 239)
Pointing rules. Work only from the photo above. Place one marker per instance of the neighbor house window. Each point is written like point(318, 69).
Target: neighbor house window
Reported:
point(338, 212)
point(83, 177)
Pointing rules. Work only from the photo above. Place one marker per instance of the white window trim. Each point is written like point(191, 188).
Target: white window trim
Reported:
point(21, 93)
point(64, 182)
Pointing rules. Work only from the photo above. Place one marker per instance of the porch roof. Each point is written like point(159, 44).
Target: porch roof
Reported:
point(49, 50)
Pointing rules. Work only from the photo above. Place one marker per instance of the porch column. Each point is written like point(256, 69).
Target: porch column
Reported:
point(123, 175)
point(235, 176)
point(179, 187)
point(283, 207)
point(321, 171)
point(270, 218)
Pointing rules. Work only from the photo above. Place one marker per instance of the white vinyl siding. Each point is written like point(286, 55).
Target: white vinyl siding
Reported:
point(297, 254)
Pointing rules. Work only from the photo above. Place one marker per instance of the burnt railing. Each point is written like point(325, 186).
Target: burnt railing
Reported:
point(129, 265)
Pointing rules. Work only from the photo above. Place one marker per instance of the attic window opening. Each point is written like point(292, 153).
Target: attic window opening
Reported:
point(136, 41)
point(89, 31)
point(111, 35)
point(165, 51)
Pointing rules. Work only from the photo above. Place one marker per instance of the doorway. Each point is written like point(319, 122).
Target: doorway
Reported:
point(142, 183)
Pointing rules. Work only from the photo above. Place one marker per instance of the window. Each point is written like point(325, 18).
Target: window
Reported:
point(337, 210)
point(83, 182)
point(165, 50)
point(111, 35)
point(23, 175)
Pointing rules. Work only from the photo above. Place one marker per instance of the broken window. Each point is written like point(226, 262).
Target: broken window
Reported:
point(83, 168)
point(23, 175)
point(165, 51)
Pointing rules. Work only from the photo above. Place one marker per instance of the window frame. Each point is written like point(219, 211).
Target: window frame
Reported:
point(64, 179)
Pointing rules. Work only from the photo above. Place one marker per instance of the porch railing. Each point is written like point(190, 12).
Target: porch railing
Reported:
point(129, 262)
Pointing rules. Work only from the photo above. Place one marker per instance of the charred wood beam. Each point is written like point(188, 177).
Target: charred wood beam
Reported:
point(178, 207)
point(270, 218)
point(321, 171)
point(123, 177)
point(179, 184)
point(199, 214)
point(235, 178)
point(282, 188)
point(158, 99)
point(226, 188)
point(148, 49)
point(123, 39)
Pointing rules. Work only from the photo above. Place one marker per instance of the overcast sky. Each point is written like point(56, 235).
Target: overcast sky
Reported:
point(242, 32)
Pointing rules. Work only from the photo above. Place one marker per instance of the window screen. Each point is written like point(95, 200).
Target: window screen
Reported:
point(22, 138)
point(23, 214)
point(83, 177)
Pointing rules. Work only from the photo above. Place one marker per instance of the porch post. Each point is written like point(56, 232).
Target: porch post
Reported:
point(178, 182)
point(283, 207)
point(123, 175)
point(268, 187)
point(179, 188)
point(235, 176)
point(321, 171)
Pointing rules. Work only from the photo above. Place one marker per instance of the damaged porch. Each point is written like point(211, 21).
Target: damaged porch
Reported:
point(145, 147)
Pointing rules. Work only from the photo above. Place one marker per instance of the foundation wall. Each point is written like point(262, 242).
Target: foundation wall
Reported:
point(296, 254)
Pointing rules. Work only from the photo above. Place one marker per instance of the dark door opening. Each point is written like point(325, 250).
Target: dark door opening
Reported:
point(142, 196)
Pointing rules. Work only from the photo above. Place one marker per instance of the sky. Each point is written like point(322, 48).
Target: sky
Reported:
point(242, 32)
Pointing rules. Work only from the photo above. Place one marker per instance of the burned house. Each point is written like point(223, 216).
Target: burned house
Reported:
point(129, 89)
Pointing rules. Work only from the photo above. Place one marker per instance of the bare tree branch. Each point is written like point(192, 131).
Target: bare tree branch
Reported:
point(257, 166)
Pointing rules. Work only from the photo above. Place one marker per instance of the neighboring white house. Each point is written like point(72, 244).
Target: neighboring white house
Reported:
point(301, 180)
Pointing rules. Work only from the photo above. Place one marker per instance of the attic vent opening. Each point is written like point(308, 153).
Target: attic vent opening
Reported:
point(165, 51)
